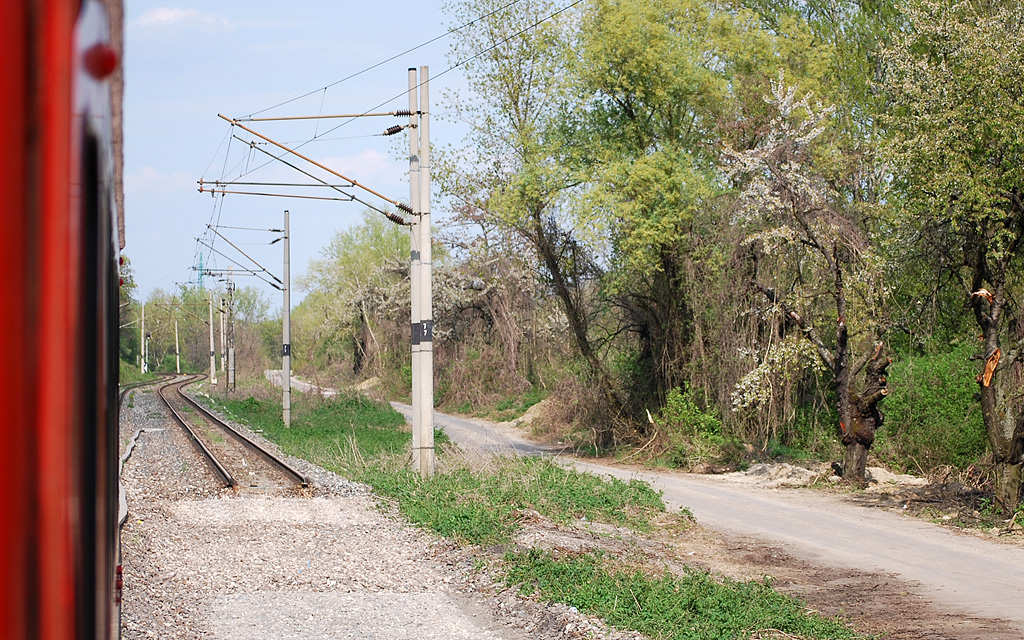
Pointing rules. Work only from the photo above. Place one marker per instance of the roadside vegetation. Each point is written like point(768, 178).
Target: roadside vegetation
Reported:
point(130, 374)
point(483, 502)
point(700, 235)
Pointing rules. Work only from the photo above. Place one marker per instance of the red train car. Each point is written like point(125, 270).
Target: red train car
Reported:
point(62, 233)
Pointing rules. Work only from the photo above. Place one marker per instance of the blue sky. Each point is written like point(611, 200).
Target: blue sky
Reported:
point(187, 63)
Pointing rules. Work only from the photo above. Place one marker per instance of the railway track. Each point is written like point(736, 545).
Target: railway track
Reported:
point(125, 389)
point(240, 463)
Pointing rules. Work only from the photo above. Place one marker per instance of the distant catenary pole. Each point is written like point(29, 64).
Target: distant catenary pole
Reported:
point(286, 347)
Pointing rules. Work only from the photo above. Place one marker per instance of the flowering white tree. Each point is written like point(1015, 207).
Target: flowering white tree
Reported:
point(810, 256)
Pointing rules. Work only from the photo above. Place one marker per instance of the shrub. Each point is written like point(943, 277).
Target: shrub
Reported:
point(693, 435)
point(931, 416)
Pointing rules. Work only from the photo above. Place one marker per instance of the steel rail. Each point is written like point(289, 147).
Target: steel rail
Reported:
point(270, 457)
point(125, 388)
point(218, 467)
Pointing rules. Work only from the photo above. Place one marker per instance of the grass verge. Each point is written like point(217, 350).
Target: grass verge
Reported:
point(483, 500)
point(691, 606)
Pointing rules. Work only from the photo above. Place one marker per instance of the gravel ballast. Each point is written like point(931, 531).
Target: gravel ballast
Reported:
point(203, 562)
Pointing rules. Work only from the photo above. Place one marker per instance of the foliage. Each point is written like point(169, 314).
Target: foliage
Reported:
point(129, 373)
point(691, 606)
point(693, 436)
point(251, 305)
point(957, 129)
point(361, 276)
point(128, 314)
point(681, 413)
point(957, 146)
point(932, 418)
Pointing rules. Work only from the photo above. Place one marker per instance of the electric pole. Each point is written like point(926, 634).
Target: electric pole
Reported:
point(223, 344)
point(286, 347)
point(177, 353)
point(213, 354)
point(421, 275)
point(142, 341)
point(231, 330)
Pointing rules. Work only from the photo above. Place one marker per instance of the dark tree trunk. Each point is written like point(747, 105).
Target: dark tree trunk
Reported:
point(364, 349)
point(548, 247)
point(662, 320)
point(864, 418)
point(859, 415)
point(999, 384)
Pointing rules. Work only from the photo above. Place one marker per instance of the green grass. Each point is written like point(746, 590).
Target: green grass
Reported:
point(691, 606)
point(483, 506)
point(484, 500)
point(503, 410)
point(320, 429)
point(512, 408)
point(130, 374)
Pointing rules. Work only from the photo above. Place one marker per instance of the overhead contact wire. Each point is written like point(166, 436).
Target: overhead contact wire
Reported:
point(469, 59)
point(394, 57)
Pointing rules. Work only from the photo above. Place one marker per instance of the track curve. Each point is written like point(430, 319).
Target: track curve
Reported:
point(236, 460)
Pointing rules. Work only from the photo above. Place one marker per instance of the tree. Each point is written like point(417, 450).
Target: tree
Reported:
point(957, 149)
point(361, 274)
point(652, 97)
point(664, 86)
point(811, 258)
point(128, 314)
point(515, 61)
point(251, 305)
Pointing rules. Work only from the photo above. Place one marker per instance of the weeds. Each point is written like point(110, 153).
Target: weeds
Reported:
point(483, 505)
point(691, 606)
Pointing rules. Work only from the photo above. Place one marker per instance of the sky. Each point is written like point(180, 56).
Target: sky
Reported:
point(186, 63)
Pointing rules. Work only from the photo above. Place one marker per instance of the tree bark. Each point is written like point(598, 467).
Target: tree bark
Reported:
point(999, 382)
point(547, 248)
point(1005, 426)
point(864, 417)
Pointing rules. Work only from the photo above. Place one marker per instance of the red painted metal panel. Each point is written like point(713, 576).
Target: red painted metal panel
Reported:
point(47, 571)
point(15, 323)
point(58, 320)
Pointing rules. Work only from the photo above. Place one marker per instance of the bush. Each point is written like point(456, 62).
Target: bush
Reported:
point(682, 414)
point(693, 435)
point(931, 415)
point(690, 606)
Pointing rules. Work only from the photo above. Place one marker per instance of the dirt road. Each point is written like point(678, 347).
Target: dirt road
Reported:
point(960, 574)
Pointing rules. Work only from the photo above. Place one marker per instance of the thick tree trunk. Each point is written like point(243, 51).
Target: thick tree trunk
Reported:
point(855, 463)
point(864, 418)
point(660, 317)
point(1009, 485)
point(999, 384)
point(1005, 426)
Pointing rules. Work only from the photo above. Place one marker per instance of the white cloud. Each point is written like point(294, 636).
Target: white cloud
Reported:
point(171, 17)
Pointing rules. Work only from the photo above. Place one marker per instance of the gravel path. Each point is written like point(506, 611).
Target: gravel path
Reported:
point(201, 562)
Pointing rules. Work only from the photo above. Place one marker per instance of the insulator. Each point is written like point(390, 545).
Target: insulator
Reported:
point(390, 131)
point(404, 207)
point(403, 112)
point(397, 219)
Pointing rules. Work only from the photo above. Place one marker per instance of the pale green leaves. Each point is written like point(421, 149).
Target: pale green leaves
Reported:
point(957, 83)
